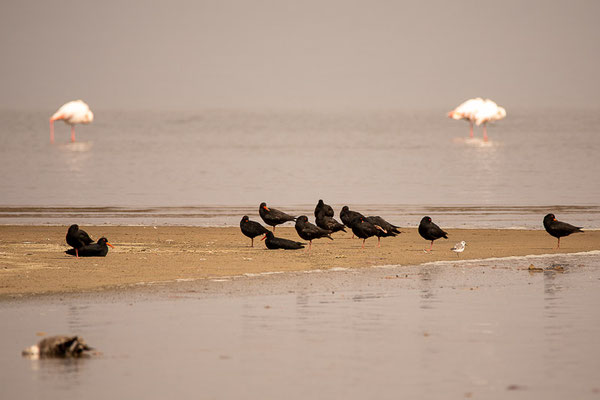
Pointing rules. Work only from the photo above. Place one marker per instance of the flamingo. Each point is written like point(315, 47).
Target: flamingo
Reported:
point(467, 110)
point(488, 112)
point(73, 112)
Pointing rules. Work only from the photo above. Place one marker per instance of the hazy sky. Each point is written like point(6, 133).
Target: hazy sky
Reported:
point(304, 53)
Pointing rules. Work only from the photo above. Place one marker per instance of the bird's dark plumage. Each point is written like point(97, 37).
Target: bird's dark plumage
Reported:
point(308, 231)
point(364, 229)
point(324, 209)
point(348, 216)
point(387, 228)
point(99, 249)
point(559, 229)
point(390, 230)
point(329, 223)
point(77, 238)
point(272, 216)
point(430, 231)
point(251, 229)
point(58, 346)
point(273, 242)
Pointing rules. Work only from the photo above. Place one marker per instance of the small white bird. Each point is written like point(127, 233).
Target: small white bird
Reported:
point(73, 112)
point(459, 248)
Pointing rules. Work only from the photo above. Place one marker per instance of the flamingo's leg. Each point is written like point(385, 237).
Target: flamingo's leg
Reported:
point(72, 133)
point(471, 129)
point(485, 136)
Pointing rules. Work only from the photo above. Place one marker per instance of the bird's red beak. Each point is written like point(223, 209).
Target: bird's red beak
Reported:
point(110, 245)
point(266, 208)
point(263, 238)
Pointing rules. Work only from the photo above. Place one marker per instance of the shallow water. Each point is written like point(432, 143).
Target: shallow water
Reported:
point(480, 329)
point(211, 167)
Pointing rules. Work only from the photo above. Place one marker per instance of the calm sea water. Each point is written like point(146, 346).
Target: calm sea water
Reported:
point(146, 167)
point(478, 329)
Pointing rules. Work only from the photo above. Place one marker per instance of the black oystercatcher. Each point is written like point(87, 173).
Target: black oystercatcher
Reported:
point(430, 231)
point(308, 231)
point(559, 229)
point(348, 216)
point(77, 238)
point(388, 229)
point(273, 242)
point(365, 229)
point(273, 217)
point(99, 249)
point(329, 223)
point(251, 229)
point(58, 346)
point(324, 209)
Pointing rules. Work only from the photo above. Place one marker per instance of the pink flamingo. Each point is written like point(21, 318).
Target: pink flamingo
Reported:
point(488, 112)
point(73, 112)
point(467, 110)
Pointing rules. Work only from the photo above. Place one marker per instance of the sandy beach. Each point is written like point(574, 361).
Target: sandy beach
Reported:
point(32, 259)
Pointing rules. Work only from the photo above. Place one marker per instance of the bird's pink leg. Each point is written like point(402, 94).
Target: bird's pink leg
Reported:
point(51, 130)
point(252, 242)
point(558, 245)
point(430, 248)
point(72, 133)
point(471, 129)
point(76, 253)
point(273, 229)
point(309, 245)
point(485, 136)
point(378, 241)
point(363, 245)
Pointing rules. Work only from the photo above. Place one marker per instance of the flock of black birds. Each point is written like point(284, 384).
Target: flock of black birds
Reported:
point(361, 226)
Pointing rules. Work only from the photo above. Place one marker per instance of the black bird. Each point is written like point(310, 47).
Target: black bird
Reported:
point(388, 229)
point(77, 238)
point(252, 229)
point(365, 229)
point(324, 209)
point(348, 216)
point(273, 242)
point(430, 231)
point(58, 346)
point(559, 229)
point(99, 249)
point(308, 231)
point(329, 223)
point(273, 217)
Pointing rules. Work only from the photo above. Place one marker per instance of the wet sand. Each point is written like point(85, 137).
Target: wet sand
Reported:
point(32, 259)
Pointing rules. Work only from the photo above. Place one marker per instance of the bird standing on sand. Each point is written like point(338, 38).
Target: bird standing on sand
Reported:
point(308, 231)
point(559, 229)
point(58, 346)
point(274, 243)
point(324, 209)
point(77, 238)
point(73, 112)
point(388, 230)
point(364, 229)
point(329, 223)
point(347, 216)
point(272, 216)
point(430, 231)
point(98, 249)
point(459, 248)
point(251, 229)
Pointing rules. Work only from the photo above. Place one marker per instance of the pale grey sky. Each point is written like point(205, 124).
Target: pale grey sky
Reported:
point(299, 54)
